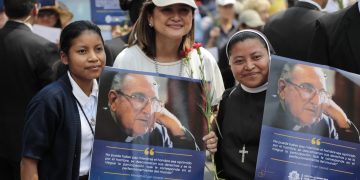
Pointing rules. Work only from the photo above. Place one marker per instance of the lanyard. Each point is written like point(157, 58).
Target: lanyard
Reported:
point(87, 120)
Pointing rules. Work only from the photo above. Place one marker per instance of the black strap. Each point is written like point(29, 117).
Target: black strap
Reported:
point(82, 110)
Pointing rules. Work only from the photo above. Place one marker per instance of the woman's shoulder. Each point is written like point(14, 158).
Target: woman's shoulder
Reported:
point(131, 51)
point(53, 91)
point(129, 54)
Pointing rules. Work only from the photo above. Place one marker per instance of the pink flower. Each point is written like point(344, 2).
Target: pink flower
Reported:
point(182, 54)
point(197, 45)
point(185, 53)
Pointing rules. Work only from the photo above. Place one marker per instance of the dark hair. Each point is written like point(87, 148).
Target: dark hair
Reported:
point(144, 36)
point(133, 6)
point(68, 34)
point(18, 8)
point(74, 30)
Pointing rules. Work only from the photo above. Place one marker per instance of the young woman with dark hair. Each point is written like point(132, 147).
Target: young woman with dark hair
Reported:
point(60, 119)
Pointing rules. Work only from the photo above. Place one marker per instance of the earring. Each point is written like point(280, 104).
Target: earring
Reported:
point(150, 25)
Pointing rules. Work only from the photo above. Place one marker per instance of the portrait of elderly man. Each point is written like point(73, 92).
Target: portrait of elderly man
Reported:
point(305, 105)
point(138, 116)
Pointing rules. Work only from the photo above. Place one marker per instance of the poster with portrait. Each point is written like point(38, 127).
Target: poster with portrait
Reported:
point(148, 126)
point(310, 123)
point(107, 12)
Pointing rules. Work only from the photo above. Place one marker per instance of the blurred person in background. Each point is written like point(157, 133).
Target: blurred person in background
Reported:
point(199, 32)
point(250, 19)
point(27, 60)
point(336, 40)
point(56, 15)
point(223, 27)
point(291, 31)
point(261, 6)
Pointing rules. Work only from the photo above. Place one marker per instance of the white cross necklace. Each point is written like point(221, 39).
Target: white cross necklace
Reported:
point(243, 152)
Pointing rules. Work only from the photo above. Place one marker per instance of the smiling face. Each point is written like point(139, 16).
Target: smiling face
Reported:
point(135, 117)
point(171, 22)
point(249, 62)
point(86, 57)
point(304, 108)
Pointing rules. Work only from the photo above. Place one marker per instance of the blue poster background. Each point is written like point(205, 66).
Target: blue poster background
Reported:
point(284, 154)
point(115, 160)
point(107, 12)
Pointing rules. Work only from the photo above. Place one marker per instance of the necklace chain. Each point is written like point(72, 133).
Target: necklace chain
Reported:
point(157, 67)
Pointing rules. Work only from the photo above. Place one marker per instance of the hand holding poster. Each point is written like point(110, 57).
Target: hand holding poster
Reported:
point(307, 133)
point(148, 127)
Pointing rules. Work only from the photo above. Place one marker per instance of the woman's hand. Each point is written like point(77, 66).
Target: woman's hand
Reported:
point(211, 142)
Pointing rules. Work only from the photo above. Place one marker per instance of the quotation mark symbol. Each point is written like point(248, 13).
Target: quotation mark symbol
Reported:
point(148, 151)
point(315, 141)
point(152, 152)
